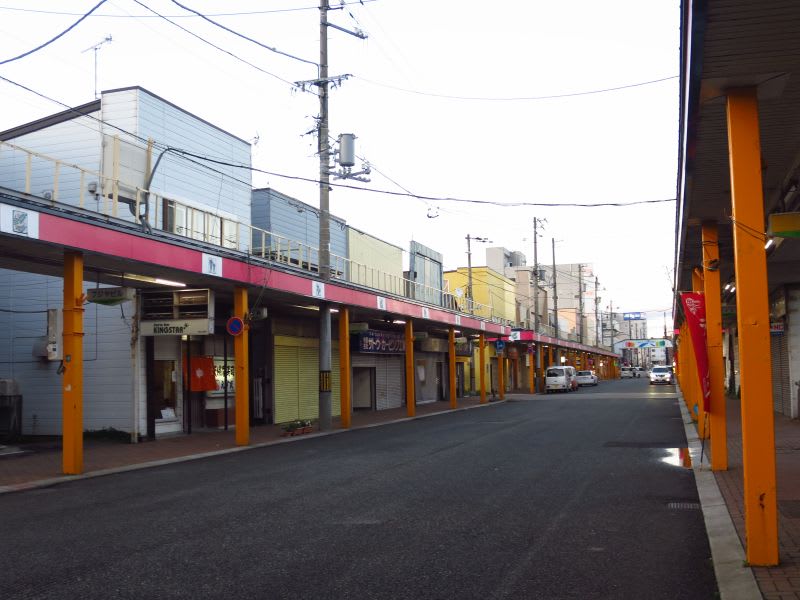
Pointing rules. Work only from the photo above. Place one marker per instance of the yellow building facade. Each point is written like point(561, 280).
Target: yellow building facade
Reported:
point(493, 293)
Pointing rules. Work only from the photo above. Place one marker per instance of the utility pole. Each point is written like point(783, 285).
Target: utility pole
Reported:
point(323, 148)
point(555, 288)
point(611, 323)
point(469, 276)
point(597, 332)
point(535, 276)
point(580, 303)
point(470, 300)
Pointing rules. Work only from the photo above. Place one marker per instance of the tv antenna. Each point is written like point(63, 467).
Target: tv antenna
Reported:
point(96, 49)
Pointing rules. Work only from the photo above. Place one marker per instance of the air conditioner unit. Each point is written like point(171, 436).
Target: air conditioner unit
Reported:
point(50, 346)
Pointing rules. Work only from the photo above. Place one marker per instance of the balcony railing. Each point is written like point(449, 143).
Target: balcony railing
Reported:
point(63, 183)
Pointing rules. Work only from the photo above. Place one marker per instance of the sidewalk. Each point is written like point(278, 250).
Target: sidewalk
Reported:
point(41, 463)
point(781, 582)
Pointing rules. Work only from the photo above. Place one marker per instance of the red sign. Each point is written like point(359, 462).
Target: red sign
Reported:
point(202, 374)
point(694, 307)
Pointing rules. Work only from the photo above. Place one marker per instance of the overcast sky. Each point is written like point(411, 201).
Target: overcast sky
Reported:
point(429, 102)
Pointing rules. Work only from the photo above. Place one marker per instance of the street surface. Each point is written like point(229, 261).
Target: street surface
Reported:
point(549, 496)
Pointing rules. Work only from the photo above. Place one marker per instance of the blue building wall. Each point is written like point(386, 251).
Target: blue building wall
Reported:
point(290, 218)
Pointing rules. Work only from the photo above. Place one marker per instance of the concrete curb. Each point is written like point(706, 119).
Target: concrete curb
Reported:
point(734, 580)
point(42, 483)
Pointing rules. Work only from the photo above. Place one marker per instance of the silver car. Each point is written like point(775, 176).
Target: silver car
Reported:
point(586, 378)
point(661, 375)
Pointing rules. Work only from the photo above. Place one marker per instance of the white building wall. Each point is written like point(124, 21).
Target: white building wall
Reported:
point(177, 177)
point(377, 264)
point(108, 383)
point(74, 142)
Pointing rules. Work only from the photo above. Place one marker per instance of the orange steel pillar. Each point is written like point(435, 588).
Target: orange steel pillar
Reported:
point(344, 367)
point(482, 361)
point(501, 384)
point(702, 418)
point(451, 345)
point(72, 365)
point(717, 421)
point(532, 370)
point(411, 403)
point(540, 368)
point(242, 369)
point(752, 318)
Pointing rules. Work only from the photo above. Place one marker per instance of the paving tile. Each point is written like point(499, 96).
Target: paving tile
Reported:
point(782, 581)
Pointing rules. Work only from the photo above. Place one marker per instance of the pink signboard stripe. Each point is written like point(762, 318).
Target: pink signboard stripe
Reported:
point(91, 238)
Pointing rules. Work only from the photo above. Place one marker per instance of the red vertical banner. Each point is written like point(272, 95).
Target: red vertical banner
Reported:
point(694, 307)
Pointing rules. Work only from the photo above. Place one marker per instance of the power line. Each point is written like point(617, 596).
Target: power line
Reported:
point(517, 98)
point(50, 41)
point(224, 14)
point(241, 35)
point(191, 155)
point(205, 41)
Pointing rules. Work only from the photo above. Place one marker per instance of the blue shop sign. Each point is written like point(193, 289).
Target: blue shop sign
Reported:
point(380, 342)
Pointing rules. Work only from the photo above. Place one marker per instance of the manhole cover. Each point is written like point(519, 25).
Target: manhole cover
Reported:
point(683, 505)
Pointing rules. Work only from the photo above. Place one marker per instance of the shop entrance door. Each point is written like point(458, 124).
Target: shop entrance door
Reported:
point(459, 379)
point(364, 388)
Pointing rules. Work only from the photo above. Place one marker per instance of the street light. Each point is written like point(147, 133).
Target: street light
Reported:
point(469, 267)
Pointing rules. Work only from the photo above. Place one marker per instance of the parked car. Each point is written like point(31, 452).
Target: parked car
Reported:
point(560, 379)
point(586, 378)
point(626, 373)
point(639, 372)
point(661, 375)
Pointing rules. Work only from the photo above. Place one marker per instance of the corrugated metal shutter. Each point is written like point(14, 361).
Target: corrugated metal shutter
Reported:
point(394, 369)
point(781, 397)
point(308, 375)
point(336, 392)
point(381, 384)
point(287, 390)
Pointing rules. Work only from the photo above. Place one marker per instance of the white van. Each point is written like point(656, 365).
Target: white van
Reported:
point(560, 379)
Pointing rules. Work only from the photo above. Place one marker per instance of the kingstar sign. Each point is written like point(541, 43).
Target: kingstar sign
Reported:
point(177, 327)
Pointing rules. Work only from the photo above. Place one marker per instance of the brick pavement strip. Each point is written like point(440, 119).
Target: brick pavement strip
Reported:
point(782, 581)
point(38, 468)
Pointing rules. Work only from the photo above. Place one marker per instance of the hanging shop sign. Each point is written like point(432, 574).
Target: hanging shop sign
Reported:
point(177, 327)
point(464, 347)
point(380, 342)
point(434, 345)
point(110, 296)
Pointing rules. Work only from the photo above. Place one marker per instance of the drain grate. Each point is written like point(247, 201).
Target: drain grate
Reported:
point(683, 505)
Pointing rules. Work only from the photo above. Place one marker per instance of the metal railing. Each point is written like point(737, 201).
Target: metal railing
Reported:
point(58, 181)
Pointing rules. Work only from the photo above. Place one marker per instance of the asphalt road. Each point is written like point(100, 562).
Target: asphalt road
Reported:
point(557, 496)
